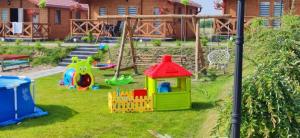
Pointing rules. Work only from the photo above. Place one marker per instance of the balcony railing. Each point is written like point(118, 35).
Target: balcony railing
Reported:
point(228, 26)
point(29, 30)
point(113, 28)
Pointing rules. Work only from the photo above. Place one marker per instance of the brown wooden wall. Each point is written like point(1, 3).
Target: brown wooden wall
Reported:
point(252, 7)
point(62, 30)
point(46, 15)
point(145, 7)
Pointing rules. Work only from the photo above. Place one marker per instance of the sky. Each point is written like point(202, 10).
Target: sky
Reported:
point(208, 7)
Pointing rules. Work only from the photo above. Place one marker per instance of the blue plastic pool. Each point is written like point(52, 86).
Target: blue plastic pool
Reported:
point(16, 100)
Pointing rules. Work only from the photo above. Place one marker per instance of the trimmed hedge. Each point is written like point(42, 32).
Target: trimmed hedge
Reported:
point(39, 55)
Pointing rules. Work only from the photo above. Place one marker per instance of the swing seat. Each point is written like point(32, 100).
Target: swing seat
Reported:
point(219, 58)
point(105, 66)
point(119, 81)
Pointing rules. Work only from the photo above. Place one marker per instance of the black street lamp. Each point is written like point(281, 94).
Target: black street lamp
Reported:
point(237, 97)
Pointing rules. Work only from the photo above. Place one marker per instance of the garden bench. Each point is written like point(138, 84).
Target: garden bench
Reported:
point(149, 60)
point(9, 62)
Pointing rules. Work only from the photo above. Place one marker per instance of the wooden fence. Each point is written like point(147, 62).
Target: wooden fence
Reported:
point(29, 30)
point(228, 25)
point(113, 27)
point(125, 102)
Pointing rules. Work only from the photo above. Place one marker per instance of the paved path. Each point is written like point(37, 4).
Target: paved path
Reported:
point(45, 73)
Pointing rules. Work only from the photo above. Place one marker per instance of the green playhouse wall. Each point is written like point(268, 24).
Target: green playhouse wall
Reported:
point(176, 100)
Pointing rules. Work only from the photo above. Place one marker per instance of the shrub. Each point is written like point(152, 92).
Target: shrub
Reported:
point(98, 56)
point(58, 43)
point(89, 38)
point(156, 42)
point(230, 42)
point(19, 42)
point(178, 43)
point(206, 24)
point(269, 95)
point(68, 38)
point(2, 43)
point(39, 55)
point(204, 40)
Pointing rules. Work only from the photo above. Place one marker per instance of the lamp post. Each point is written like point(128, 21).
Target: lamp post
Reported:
point(237, 97)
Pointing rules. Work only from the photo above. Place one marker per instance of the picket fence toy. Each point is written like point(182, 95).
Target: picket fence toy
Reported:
point(79, 75)
point(158, 94)
point(16, 100)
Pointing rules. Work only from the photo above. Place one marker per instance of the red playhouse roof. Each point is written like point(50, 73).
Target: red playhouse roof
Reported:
point(167, 69)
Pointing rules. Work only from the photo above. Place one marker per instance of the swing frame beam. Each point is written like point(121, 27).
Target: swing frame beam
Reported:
point(128, 30)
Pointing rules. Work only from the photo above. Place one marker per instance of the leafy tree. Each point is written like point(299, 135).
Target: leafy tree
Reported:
point(185, 2)
point(42, 3)
point(268, 105)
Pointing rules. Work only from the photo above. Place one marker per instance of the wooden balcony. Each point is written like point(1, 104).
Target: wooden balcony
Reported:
point(228, 25)
point(113, 28)
point(29, 30)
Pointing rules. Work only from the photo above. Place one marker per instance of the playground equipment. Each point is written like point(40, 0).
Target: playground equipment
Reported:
point(79, 74)
point(105, 48)
point(163, 97)
point(127, 102)
point(17, 102)
point(123, 80)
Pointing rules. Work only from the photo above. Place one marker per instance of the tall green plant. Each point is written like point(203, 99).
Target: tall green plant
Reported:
point(89, 38)
point(19, 42)
point(269, 93)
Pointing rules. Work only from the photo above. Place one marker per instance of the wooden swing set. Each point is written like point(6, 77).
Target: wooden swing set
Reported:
point(130, 24)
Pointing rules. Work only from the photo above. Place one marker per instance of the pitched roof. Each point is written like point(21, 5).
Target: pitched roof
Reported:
point(67, 4)
point(191, 3)
point(167, 69)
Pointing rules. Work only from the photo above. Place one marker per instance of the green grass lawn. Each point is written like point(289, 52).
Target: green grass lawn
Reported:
point(86, 114)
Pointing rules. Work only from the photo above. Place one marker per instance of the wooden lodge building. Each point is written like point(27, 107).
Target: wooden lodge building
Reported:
point(271, 10)
point(262, 8)
point(150, 28)
point(24, 19)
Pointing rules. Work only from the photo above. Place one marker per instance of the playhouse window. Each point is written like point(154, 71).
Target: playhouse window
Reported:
point(171, 85)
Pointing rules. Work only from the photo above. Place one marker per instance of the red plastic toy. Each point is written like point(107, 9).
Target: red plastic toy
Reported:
point(140, 92)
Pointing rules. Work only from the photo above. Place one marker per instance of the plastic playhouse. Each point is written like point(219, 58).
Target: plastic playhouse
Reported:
point(16, 100)
point(158, 94)
point(79, 74)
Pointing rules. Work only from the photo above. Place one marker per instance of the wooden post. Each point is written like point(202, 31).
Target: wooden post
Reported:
point(71, 27)
point(197, 45)
point(32, 31)
point(198, 49)
point(121, 50)
point(130, 34)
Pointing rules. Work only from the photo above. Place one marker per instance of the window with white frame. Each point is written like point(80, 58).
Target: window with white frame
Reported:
point(4, 15)
point(121, 10)
point(264, 10)
point(132, 10)
point(278, 12)
point(102, 11)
